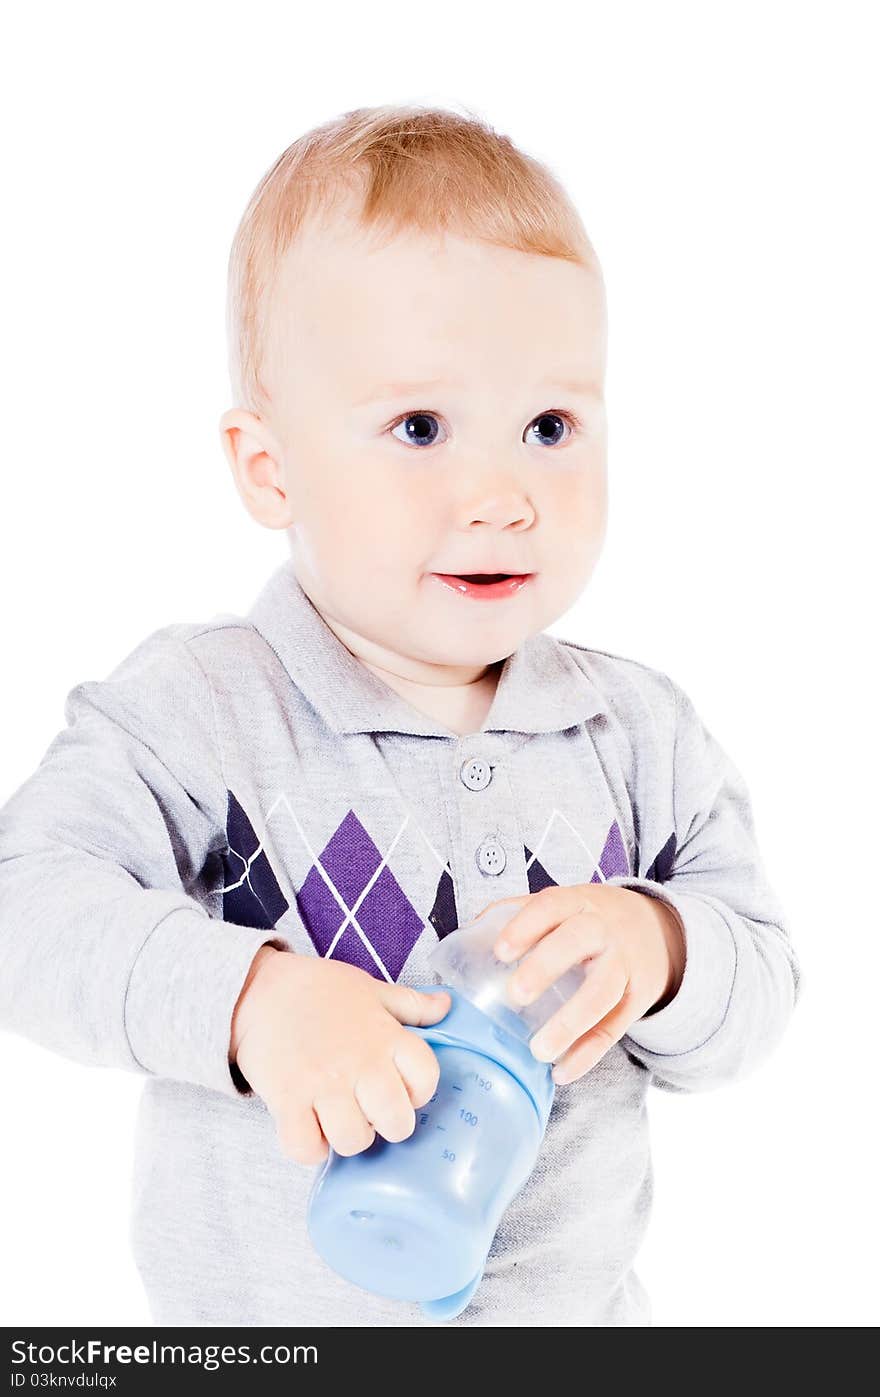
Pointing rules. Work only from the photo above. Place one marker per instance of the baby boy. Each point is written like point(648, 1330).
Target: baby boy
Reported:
point(231, 867)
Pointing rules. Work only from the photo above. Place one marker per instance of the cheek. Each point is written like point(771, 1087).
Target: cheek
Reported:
point(575, 518)
point(578, 501)
point(363, 519)
point(595, 503)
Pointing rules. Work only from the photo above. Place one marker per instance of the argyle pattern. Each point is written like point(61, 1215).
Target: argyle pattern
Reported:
point(351, 904)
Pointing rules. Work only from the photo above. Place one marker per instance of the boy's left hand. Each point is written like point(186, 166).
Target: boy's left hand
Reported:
point(635, 948)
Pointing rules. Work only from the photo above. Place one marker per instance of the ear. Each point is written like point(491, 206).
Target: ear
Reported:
point(256, 460)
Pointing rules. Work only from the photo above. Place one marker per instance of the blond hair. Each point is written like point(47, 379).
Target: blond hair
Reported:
point(415, 168)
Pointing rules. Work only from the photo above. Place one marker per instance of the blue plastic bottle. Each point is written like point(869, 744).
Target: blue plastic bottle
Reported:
point(414, 1219)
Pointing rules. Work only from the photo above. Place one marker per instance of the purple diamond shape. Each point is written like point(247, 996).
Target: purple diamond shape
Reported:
point(386, 916)
point(613, 861)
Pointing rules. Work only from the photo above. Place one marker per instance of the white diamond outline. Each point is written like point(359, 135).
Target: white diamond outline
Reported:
point(580, 839)
point(350, 918)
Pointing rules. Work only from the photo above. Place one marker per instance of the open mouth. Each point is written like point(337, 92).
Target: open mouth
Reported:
point(484, 585)
point(485, 577)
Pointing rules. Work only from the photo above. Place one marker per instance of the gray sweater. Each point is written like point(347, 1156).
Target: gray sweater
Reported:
point(245, 780)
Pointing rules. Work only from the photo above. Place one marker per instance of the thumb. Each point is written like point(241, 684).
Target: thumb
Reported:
point(412, 1006)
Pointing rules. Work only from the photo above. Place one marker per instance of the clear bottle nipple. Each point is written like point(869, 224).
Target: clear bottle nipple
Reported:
point(465, 960)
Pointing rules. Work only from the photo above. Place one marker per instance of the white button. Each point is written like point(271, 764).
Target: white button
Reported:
point(491, 857)
point(476, 774)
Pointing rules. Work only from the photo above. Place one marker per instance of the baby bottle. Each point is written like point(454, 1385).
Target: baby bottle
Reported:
point(414, 1219)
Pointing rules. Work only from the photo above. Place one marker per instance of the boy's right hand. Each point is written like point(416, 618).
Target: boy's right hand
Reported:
point(323, 1044)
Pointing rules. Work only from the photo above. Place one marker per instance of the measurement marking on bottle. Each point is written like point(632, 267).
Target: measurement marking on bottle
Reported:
point(439, 1127)
point(457, 1088)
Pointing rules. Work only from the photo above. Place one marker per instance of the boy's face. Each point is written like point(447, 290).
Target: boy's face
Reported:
point(496, 463)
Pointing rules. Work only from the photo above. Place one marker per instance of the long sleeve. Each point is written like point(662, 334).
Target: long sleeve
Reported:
point(741, 978)
point(107, 956)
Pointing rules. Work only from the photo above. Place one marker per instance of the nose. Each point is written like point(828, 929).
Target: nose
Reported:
point(509, 509)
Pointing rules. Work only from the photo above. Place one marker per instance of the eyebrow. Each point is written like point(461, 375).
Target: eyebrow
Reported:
point(405, 389)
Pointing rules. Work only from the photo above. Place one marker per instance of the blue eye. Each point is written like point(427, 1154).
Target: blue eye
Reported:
point(550, 423)
point(418, 426)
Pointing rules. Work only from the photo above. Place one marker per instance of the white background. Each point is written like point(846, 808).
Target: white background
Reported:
point(724, 160)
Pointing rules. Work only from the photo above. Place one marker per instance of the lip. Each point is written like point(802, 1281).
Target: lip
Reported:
point(484, 591)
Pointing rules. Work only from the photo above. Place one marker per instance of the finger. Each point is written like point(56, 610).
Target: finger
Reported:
point(385, 1102)
point(502, 902)
point(587, 1050)
point(603, 988)
point(412, 1006)
point(542, 913)
point(573, 941)
point(417, 1064)
point(298, 1131)
point(343, 1122)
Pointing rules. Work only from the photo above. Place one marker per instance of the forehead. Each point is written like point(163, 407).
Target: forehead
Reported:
point(355, 311)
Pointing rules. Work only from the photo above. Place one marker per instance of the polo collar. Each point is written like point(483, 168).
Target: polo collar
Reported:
point(541, 687)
